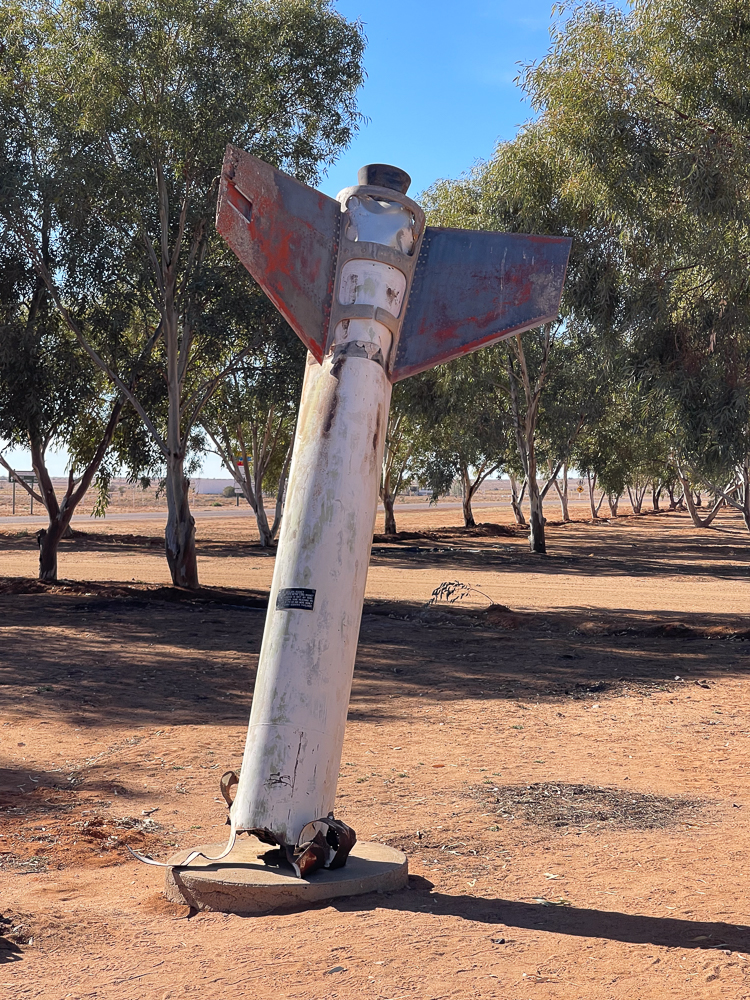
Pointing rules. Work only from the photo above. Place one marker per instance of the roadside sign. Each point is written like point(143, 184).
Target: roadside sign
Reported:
point(28, 477)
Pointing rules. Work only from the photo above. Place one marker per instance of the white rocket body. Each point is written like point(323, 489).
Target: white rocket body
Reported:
point(296, 732)
point(343, 273)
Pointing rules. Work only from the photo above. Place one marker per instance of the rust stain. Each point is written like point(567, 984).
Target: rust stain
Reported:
point(334, 404)
point(238, 201)
point(376, 435)
point(472, 289)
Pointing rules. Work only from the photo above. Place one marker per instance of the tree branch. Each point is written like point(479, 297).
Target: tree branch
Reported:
point(42, 270)
point(207, 390)
point(30, 490)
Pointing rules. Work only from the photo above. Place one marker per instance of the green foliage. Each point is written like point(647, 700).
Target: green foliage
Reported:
point(116, 120)
point(251, 418)
point(48, 387)
point(51, 394)
point(407, 439)
point(263, 387)
point(649, 113)
point(457, 407)
point(535, 392)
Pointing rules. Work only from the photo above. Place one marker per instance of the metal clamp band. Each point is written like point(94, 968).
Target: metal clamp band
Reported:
point(359, 310)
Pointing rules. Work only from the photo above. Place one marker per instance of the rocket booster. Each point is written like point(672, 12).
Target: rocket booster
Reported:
point(375, 296)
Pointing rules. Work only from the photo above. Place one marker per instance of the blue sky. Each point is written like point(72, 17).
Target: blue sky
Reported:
point(439, 94)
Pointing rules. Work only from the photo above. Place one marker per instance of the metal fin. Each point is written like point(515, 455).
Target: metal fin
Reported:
point(287, 235)
point(473, 288)
point(322, 843)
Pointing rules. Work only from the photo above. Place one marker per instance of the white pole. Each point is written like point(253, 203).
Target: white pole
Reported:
point(296, 732)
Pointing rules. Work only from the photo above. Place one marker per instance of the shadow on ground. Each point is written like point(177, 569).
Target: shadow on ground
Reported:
point(102, 660)
point(9, 949)
point(630, 928)
point(636, 545)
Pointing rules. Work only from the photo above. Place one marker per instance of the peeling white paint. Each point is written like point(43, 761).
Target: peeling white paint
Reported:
point(296, 733)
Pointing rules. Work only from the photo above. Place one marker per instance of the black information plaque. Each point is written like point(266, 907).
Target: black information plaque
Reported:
point(295, 599)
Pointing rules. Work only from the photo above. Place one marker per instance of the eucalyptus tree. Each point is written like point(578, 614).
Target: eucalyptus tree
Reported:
point(51, 395)
point(147, 95)
point(608, 451)
point(406, 442)
point(651, 119)
point(556, 369)
point(251, 418)
point(631, 447)
point(465, 425)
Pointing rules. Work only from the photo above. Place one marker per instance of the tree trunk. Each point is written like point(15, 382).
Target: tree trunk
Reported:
point(281, 491)
point(655, 495)
point(390, 517)
point(263, 450)
point(745, 489)
point(264, 530)
point(613, 502)
point(736, 495)
point(250, 468)
point(388, 498)
point(526, 432)
point(48, 540)
point(698, 521)
point(469, 521)
point(60, 514)
point(516, 499)
point(591, 483)
point(562, 493)
point(179, 535)
point(537, 541)
point(635, 501)
point(466, 495)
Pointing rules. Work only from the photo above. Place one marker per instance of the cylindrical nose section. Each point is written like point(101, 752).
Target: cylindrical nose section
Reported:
point(296, 732)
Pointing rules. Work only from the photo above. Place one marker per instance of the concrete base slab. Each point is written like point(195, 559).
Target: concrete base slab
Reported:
point(254, 879)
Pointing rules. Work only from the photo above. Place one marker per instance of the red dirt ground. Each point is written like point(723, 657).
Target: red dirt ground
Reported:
point(618, 665)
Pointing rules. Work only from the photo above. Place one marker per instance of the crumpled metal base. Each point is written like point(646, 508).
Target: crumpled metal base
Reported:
point(322, 843)
point(191, 857)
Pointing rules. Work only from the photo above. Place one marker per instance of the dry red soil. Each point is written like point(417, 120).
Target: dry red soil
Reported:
point(569, 775)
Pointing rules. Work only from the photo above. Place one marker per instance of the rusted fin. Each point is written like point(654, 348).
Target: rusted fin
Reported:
point(286, 234)
point(474, 288)
point(341, 839)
